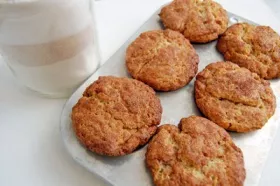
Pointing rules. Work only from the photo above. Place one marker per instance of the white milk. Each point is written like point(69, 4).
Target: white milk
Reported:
point(49, 44)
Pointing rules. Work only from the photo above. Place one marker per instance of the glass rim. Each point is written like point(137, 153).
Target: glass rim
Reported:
point(16, 1)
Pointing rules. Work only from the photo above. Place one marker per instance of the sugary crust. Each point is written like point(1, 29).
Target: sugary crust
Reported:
point(256, 48)
point(163, 59)
point(116, 115)
point(233, 97)
point(199, 21)
point(199, 152)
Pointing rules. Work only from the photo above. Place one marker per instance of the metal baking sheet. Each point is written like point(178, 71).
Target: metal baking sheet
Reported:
point(130, 169)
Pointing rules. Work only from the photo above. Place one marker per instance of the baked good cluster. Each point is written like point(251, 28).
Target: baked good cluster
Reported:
point(117, 115)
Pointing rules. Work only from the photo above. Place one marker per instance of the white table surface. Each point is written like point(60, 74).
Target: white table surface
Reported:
point(32, 151)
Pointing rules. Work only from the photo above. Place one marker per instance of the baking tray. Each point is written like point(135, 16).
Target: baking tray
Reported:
point(130, 169)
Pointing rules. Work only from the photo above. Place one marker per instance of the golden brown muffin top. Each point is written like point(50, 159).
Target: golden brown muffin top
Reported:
point(256, 48)
point(197, 152)
point(199, 20)
point(116, 115)
point(163, 59)
point(233, 97)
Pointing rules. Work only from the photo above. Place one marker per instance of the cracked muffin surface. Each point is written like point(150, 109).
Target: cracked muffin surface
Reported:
point(197, 152)
point(116, 115)
point(200, 21)
point(256, 48)
point(163, 59)
point(233, 97)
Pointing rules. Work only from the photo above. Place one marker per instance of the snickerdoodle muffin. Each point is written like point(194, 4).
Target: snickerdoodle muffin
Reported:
point(256, 48)
point(115, 116)
point(197, 152)
point(233, 97)
point(200, 21)
point(163, 59)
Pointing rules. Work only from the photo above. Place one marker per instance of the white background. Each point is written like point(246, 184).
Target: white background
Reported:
point(32, 152)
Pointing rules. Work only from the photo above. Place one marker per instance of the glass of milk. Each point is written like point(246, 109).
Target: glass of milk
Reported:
point(49, 45)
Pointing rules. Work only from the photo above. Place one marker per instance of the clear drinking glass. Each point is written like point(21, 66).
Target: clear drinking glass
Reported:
point(49, 45)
